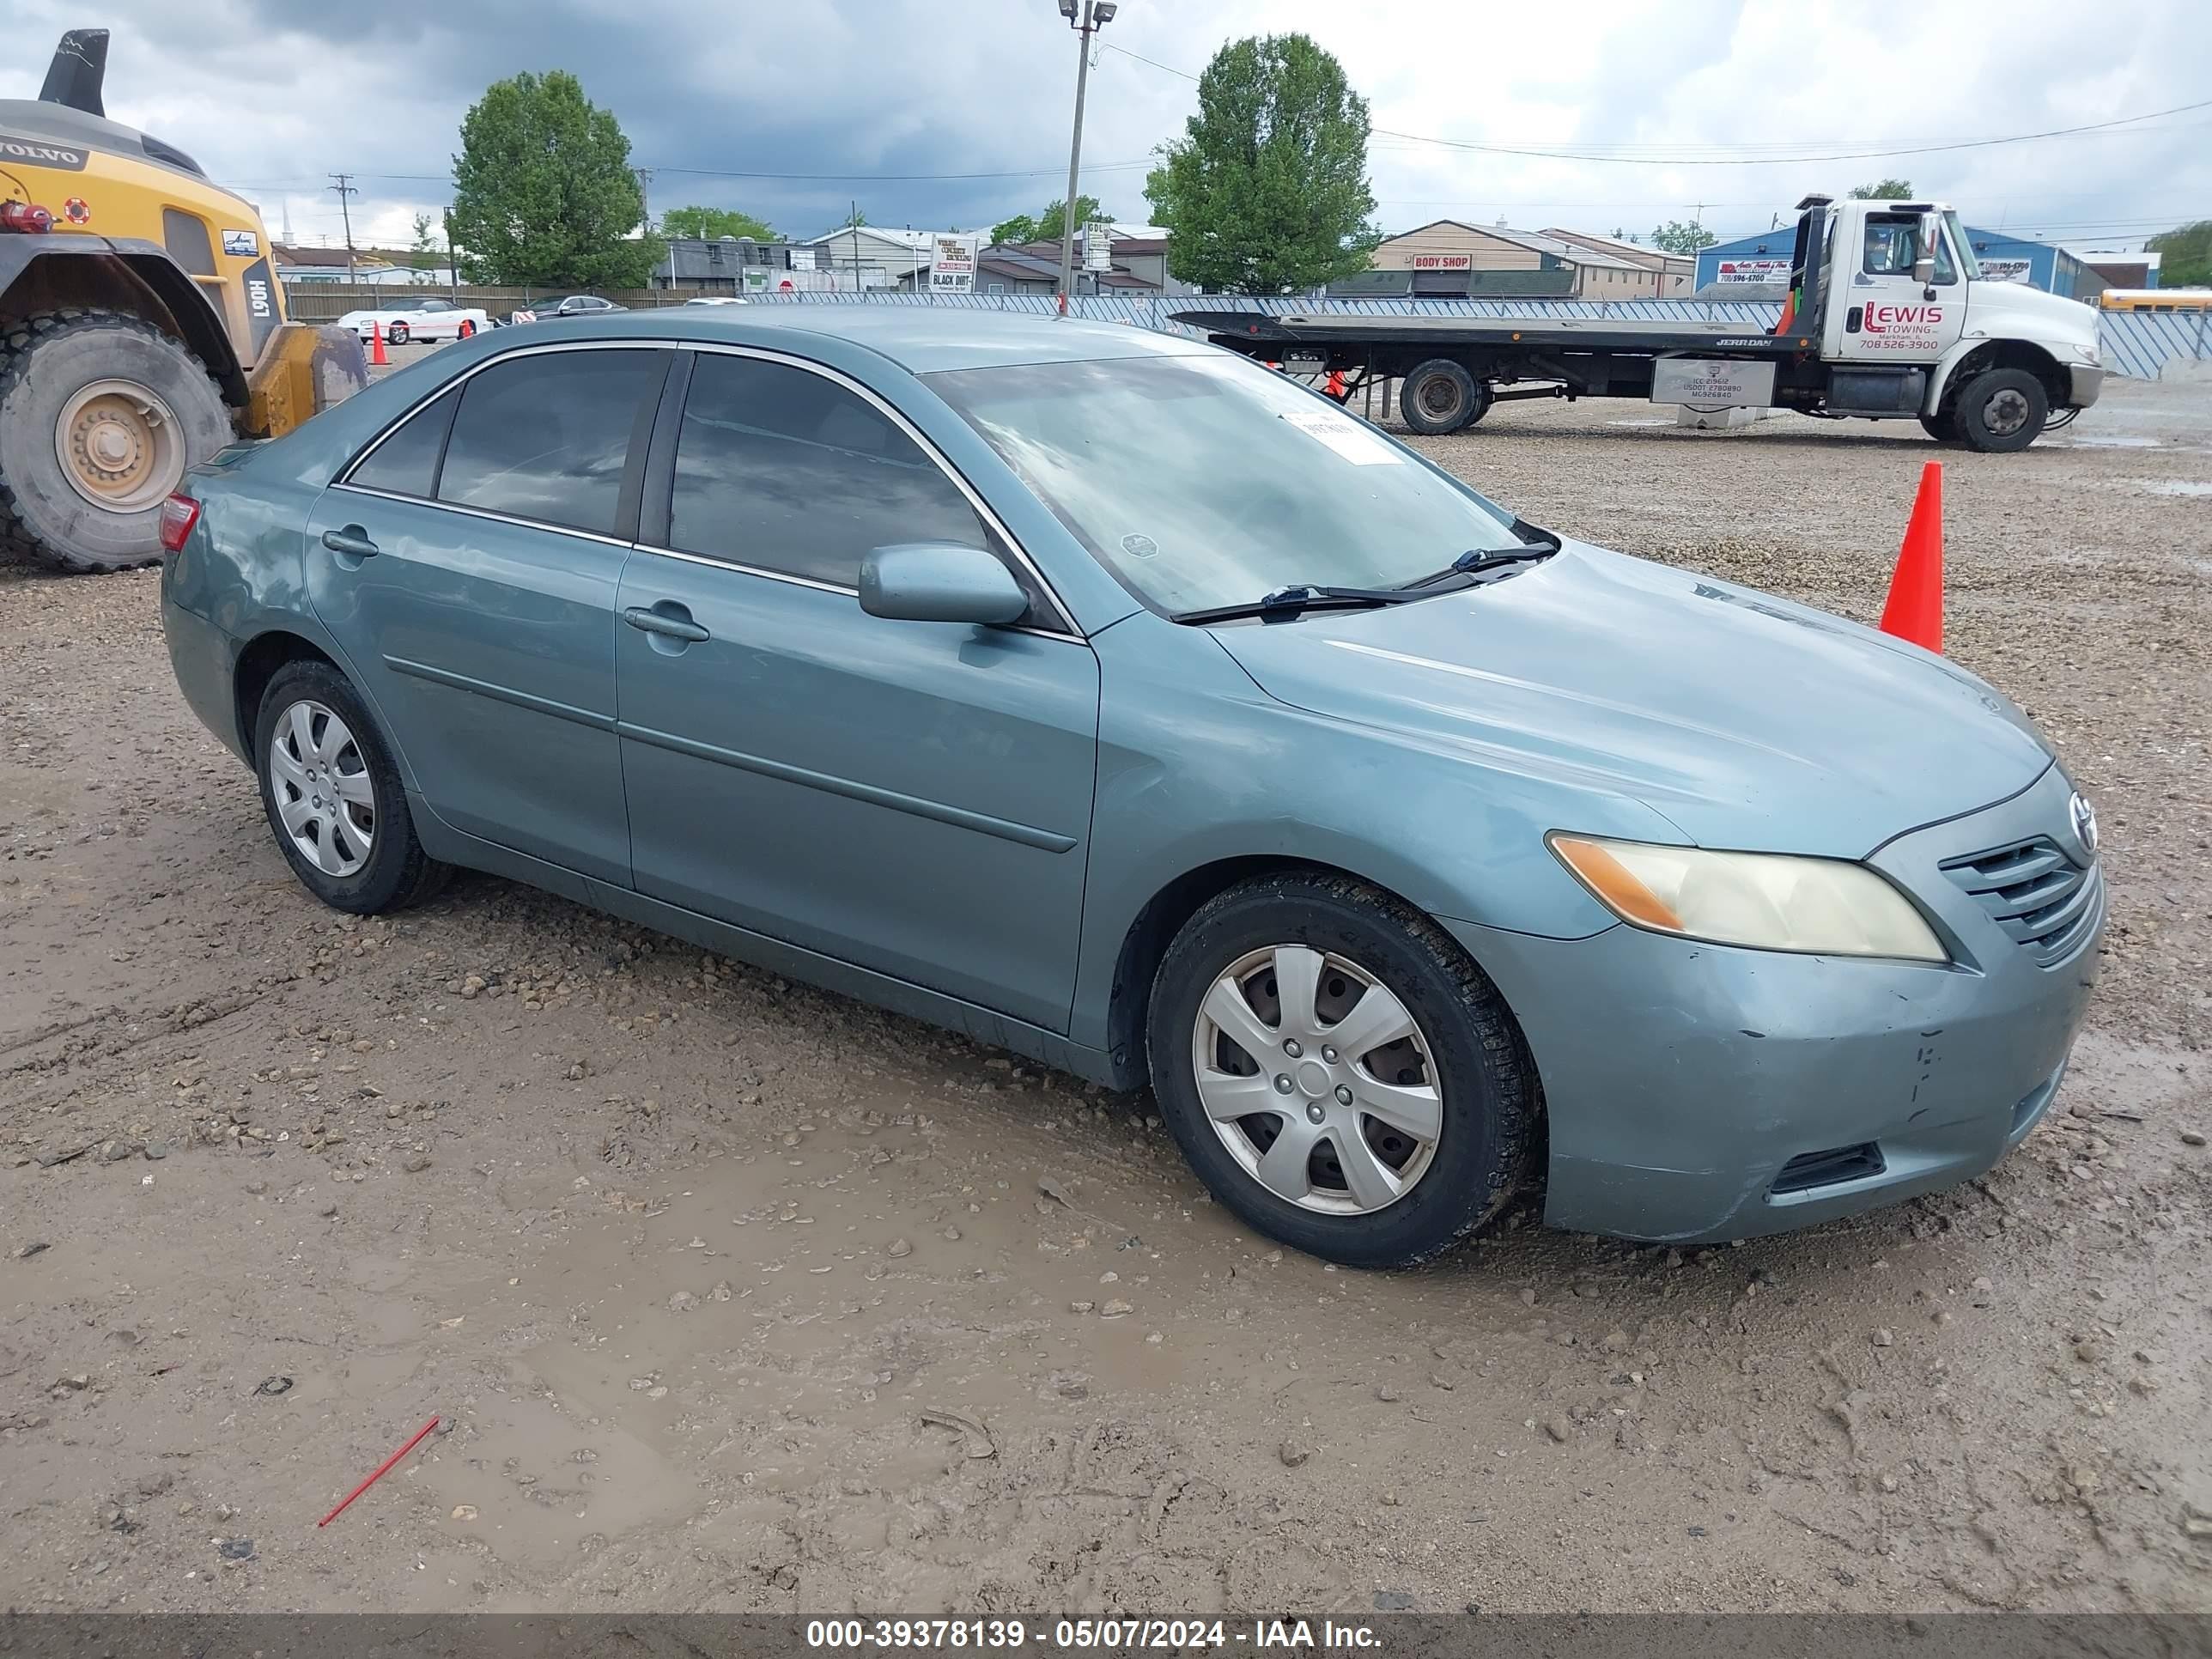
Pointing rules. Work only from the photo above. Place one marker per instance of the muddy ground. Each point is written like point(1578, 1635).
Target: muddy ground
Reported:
point(735, 1295)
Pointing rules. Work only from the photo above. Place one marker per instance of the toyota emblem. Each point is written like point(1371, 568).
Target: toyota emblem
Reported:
point(2085, 824)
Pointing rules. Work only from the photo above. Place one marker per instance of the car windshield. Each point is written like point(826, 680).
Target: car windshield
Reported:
point(1207, 480)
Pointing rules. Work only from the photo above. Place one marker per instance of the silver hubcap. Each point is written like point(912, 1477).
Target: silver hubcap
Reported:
point(2005, 413)
point(320, 780)
point(1317, 1080)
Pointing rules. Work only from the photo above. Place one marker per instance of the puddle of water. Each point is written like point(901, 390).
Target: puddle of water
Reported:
point(2177, 486)
point(2088, 442)
point(1646, 421)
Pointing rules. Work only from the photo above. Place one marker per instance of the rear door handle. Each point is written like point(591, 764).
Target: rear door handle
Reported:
point(674, 621)
point(352, 539)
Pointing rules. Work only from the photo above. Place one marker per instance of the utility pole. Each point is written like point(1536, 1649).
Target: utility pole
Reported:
point(852, 230)
point(345, 191)
point(453, 257)
point(1095, 15)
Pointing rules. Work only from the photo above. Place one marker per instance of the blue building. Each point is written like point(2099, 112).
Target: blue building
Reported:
point(1763, 260)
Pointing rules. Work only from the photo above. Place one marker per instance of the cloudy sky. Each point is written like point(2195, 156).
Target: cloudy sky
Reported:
point(1596, 114)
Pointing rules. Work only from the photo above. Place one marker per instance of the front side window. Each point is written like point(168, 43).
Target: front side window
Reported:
point(784, 470)
point(546, 436)
point(1892, 247)
point(1207, 480)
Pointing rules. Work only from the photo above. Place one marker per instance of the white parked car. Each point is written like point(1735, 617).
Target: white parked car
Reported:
point(404, 318)
point(714, 300)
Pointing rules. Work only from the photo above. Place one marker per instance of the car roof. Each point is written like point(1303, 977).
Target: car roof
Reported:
point(922, 339)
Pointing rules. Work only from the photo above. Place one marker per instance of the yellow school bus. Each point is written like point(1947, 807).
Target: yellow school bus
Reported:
point(2157, 299)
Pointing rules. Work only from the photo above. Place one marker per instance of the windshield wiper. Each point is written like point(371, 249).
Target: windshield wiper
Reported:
point(1290, 601)
point(1537, 543)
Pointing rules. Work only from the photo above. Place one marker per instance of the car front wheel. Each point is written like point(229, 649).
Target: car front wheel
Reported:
point(1339, 1072)
point(397, 334)
point(333, 796)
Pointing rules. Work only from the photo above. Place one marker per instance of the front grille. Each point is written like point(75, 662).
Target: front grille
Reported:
point(2036, 893)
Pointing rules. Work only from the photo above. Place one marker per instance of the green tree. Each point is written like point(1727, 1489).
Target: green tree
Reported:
point(2184, 255)
point(1051, 225)
point(709, 223)
point(1883, 189)
point(423, 253)
point(1678, 236)
point(1267, 190)
point(543, 191)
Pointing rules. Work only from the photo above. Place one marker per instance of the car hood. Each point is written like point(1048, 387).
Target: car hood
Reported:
point(1747, 721)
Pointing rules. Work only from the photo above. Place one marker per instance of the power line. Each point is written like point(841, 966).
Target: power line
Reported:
point(1743, 155)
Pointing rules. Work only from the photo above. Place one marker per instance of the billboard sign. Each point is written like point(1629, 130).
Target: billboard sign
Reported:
point(1098, 246)
point(952, 264)
point(1773, 271)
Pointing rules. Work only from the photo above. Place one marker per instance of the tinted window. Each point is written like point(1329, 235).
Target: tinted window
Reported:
point(783, 468)
point(546, 437)
point(406, 462)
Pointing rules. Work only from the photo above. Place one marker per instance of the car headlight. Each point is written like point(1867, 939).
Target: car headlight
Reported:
point(1821, 907)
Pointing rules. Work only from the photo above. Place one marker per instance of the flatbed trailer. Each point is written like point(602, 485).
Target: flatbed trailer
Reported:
point(1907, 330)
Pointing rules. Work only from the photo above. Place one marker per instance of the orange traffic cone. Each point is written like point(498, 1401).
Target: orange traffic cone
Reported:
point(1915, 608)
point(376, 346)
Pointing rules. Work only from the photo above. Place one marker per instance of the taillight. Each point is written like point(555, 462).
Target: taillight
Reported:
point(179, 514)
point(22, 216)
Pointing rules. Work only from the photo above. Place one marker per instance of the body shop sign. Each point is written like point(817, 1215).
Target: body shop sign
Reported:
point(1443, 261)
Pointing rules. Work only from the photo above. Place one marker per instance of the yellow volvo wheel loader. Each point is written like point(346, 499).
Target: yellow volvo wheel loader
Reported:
point(142, 326)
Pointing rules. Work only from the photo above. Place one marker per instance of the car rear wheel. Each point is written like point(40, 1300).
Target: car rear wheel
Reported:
point(333, 796)
point(2002, 409)
point(465, 330)
point(1338, 1072)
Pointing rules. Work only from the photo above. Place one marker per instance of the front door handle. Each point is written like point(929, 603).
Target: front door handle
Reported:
point(353, 539)
point(672, 620)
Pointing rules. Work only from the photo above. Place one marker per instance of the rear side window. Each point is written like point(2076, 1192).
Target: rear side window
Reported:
point(786, 470)
point(547, 436)
point(406, 462)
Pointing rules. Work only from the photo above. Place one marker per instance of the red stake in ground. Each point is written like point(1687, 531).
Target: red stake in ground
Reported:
point(382, 1469)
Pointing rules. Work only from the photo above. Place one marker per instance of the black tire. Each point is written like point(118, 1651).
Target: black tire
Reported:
point(1942, 427)
point(1489, 1127)
point(397, 334)
point(1440, 396)
point(397, 872)
point(1986, 402)
point(46, 359)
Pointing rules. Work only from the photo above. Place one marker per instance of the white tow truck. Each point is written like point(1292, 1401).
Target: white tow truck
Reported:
point(1887, 317)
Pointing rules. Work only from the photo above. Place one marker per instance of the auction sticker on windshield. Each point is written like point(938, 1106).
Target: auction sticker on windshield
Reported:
point(1345, 436)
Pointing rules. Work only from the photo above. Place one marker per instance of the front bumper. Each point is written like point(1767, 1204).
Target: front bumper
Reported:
point(1682, 1080)
point(2086, 381)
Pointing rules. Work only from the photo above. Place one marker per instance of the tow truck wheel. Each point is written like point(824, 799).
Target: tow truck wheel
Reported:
point(1942, 427)
point(2002, 410)
point(100, 413)
point(1440, 396)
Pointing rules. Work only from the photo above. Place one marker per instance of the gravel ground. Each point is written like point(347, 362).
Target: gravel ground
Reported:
point(734, 1295)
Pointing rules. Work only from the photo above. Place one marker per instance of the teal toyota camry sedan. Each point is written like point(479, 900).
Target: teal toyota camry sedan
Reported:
point(1109, 698)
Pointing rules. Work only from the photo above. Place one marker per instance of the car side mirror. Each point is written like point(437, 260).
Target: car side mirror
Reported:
point(939, 581)
point(1923, 271)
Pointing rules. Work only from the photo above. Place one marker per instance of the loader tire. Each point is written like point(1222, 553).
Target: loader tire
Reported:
point(100, 416)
